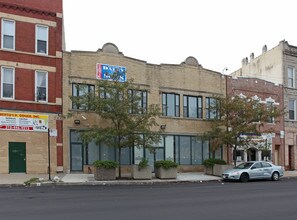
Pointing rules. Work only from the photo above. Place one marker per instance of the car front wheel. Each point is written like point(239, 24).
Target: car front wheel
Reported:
point(244, 177)
point(275, 176)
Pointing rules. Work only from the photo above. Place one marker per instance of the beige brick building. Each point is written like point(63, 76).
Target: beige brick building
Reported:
point(185, 90)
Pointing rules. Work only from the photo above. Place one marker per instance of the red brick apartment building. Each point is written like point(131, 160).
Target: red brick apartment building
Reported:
point(31, 47)
point(267, 93)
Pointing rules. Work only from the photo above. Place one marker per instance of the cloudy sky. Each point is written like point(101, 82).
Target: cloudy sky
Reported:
point(218, 33)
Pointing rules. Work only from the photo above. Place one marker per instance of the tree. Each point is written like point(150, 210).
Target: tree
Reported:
point(238, 121)
point(124, 120)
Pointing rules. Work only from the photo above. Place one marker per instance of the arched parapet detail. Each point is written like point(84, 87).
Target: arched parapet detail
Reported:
point(192, 61)
point(110, 48)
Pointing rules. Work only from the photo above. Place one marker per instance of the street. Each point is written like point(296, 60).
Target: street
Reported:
point(206, 200)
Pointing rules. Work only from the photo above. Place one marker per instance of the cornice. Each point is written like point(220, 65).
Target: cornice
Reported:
point(292, 51)
point(26, 9)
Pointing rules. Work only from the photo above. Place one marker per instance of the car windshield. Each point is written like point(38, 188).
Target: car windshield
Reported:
point(244, 165)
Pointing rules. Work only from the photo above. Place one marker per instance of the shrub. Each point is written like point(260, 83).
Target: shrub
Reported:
point(166, 164)
point(32, 180)
point(105, 164)
point(143, 163)
point(211, 162)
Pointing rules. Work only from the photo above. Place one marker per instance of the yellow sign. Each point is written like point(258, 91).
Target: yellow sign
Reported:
point(23, 122)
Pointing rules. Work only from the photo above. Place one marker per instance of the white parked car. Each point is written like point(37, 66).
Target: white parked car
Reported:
point(254, 170)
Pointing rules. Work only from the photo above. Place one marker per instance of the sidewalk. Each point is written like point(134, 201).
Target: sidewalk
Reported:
point(88, 179)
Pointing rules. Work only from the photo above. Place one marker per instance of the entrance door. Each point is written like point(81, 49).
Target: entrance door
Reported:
point(276, 155)
point(251, 154)
point(291, 158)
point(76, 157)
point(17, 157)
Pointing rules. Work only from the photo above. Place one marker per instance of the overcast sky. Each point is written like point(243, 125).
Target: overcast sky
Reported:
point(218, 33)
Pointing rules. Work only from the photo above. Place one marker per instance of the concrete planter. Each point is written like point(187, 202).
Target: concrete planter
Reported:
point(101, 173)
point(141, 174)
point(208, 170)
point(217, 169)
point(163, 173)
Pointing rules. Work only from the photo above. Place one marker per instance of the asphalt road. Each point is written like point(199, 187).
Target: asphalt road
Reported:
point(203, 201)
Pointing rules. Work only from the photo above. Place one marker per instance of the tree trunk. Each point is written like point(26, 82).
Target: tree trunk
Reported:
point(235, 159)
point(120, 172)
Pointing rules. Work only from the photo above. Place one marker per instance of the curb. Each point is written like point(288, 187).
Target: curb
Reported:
point(119, 182)
point(110, 183)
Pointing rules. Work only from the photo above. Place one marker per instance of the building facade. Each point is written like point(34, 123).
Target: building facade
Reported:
point(271, 144)
point(278, 65)
point(185, 91)
point(31, 86)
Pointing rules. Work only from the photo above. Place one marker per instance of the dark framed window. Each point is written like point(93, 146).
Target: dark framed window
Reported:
point(7, 82)
point(41, 39)
point(170, 105)
point(80, 91)
point(41, 86)
point(269, 106)
point(138, 97)
point(192, 106)
point(211, 108)
point(291, 77)
point(191, 150)
point(292, 109)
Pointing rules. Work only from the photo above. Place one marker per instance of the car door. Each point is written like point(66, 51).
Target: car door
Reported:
point(256, 171)
point(267, 169)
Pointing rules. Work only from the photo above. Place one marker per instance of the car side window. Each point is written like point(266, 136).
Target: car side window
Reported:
point(256, 166)
point(265, 165)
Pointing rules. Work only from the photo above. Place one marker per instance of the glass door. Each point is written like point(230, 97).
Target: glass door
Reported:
point(76, 157)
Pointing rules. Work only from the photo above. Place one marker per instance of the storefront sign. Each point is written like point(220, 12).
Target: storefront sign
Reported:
point(23, 122)
point(105, 71)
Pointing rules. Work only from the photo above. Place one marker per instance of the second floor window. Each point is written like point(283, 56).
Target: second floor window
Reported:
point(170, 105)
point(7, 82)
point(41, 39)
point(211, 108)
point(8, 34)
point(292, 109)
point(269, 106)
point(139, 98)
point(192, 107)
point(81, 90)
point(291, 77)
point(41, 86)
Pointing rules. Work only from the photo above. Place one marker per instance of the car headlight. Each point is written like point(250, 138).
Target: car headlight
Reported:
point(234, 173)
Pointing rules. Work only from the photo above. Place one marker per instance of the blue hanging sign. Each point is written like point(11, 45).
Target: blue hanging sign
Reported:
point(105, 72)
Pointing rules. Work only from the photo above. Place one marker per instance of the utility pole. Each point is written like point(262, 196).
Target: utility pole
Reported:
point(49, 153)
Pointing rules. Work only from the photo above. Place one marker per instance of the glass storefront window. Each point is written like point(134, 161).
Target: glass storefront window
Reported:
point(92, 153)
point(185, 150)
point(106, 152)
point(205, 150)
point(197, 151)
point(169, 148)
point(138, 155)
point(125, 156)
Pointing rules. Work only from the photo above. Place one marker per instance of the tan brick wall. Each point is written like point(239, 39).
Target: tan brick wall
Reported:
point(180, 79)
point(36, 149)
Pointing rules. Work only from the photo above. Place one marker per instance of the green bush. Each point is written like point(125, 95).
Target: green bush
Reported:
point(143, 163)
point(32, 180)
point(166, 164)
point(105, 164)
point(211, 162)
